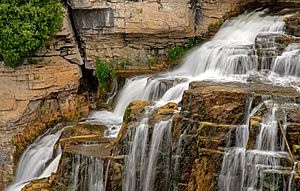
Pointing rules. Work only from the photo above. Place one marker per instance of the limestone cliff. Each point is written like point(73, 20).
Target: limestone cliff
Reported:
point(34, 96)
point(142, 30)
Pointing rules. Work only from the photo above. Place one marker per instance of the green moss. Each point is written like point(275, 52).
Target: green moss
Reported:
point(138, 57)
point(25, 26)
point(218, 23)
point(11, 142)
point(139, 10)
point(126, 116)
point(43, 109)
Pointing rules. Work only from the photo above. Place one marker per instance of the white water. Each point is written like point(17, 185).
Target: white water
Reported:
point(178, 157)
point(292, 176)
point(141, 164)
point(87, 174)
point(244, 169)
point(229, 56)
point(285, 69)
point(32, 164)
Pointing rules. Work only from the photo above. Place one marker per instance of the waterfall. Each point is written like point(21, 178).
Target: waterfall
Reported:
point(246, 169)
point(230, 55)
point(87, 174)
point(292, 176)
point(141, 164)
point(232, 171)
point(32, 164)
point(285, 68)
point(177, 160)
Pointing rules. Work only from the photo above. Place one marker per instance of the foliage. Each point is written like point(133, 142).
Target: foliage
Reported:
point(150, 62)
point(176, 52)
point(104, 73)
point(218, 23)
point(124, 62)
point(25, 26)
point(42, 109)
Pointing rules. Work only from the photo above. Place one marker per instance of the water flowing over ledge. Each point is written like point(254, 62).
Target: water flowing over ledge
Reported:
point(32, 164)
point(229, 56)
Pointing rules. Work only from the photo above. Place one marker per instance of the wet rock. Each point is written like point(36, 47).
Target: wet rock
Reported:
point(208, 128)
point(86, 139)
point(269, 46)
point(84, 148)
point(163, 113)
point(135, 111)
point(219, 104)
point(133, 114)
point(292, 24)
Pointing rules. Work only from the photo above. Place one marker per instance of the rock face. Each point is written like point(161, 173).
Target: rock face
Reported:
point(34, 96)
point(210, 114)
point(209, 127)
point(84, 148)
point(292, 24)
point(140, 31)
point(130, 29)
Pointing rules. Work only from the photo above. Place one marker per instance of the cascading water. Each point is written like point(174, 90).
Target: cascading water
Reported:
point(244, 169)
point(230, 55)
point(177, 160)
point(285, 68)
point(87, 174)
point(268, 152)
point(142, 161)
point(32, 164)
point(287, 63)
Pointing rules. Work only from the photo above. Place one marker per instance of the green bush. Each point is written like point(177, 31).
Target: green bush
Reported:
point(150, 62)
point(124, 62)
point(176, 52)
point(104, 73)
point(25, 25)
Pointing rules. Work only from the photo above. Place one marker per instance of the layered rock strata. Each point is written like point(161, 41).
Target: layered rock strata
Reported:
point(35, 96)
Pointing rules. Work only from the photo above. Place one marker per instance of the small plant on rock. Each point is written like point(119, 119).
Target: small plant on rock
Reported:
point(125, 62)
point(150, 62)
point(104, 73)
point(175, 52)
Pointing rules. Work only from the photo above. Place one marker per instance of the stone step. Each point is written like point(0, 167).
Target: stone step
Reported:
point(268, 158)
point(206, 142)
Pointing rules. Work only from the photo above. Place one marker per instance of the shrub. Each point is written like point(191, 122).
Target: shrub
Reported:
point(124, 62)
point(150, 62)
point(25, 25)
point(104, 73)
point(175, 52)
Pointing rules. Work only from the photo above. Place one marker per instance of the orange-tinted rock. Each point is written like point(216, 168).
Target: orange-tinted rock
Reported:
point(36, 96)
